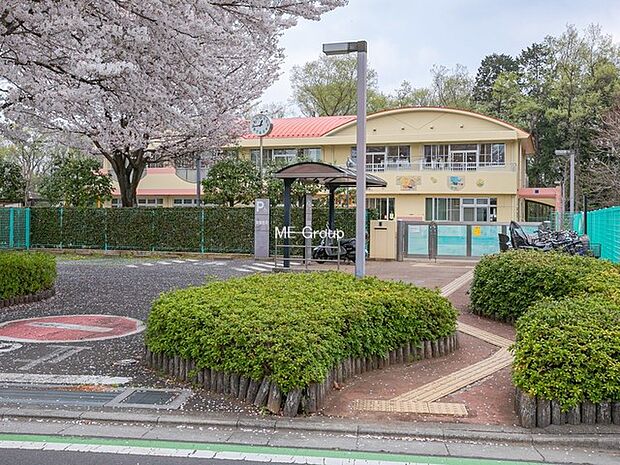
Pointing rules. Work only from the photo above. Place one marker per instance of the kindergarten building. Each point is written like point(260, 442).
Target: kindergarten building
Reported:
point(440, 164)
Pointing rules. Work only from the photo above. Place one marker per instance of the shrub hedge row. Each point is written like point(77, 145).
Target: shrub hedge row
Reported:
point(569, 350)
point(505, 285)
point(208, 229)
point(294, 327)
point(567, 312)
point(24, 273)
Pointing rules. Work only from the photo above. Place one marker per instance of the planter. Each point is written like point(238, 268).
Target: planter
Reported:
point(540, 413)
point(26, 299)
point(310, 399)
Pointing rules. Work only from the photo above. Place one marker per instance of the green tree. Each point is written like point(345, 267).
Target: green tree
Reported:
point(232, 181)
point(273, 188)
point(408, 96)
point(491, 67)
point(12, 182)
point(76, 180)
point(452, 87)
point(327, 87)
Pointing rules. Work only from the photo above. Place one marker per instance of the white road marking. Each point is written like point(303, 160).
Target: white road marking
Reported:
point(38, 378)
point(147, 264)
point(194, 453)
point(70, 326)
point(255, 268)
point(191, 260)
point(177, 261)
point(266, 265)
point(9, 347)
point(164, 263)
point(243, 270)
point(131, 266)
point(61, 353)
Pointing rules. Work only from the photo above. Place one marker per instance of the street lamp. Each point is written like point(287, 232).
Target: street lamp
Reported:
point(361, 47)
point(571, 153)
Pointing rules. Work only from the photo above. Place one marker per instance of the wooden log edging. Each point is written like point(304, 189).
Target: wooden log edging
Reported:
point(534, 412)
point(268, 395)
point(27, 299)
point(510, 320)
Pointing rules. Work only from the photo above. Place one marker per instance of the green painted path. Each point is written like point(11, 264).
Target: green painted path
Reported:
point(228, 451)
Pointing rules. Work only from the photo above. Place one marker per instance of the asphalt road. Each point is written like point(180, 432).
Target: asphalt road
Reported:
point(33, 457)
point(113, 286)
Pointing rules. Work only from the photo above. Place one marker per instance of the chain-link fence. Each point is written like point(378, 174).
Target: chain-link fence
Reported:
point(14, 228)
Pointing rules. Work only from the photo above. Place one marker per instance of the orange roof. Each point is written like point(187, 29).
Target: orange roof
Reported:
point(304, 127)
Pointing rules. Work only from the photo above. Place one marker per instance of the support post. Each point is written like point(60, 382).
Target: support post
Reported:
point(198, 176)
point(360, 184)
point(308, 224)
point(331, 217)
point(572, 183)
point(287, 222)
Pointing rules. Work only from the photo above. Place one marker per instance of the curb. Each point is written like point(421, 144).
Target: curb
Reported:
point(607, 439)
point(97, 253)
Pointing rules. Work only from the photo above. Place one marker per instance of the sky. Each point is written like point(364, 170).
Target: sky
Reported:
point(407, 37)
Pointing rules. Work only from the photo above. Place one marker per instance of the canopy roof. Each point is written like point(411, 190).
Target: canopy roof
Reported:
point(328, 175)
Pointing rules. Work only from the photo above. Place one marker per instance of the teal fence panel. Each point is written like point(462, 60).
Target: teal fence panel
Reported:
point(604, 229)
point(452, 240)
point(417, 239)
point(14, 228)
point(484, 240)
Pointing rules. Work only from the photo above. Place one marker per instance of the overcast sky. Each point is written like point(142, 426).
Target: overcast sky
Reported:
point(407, 37)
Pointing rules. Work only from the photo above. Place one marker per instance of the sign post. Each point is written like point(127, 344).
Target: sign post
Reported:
point(261, 228)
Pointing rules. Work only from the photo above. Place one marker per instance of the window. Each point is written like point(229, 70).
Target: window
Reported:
point(461, 157)
point(116, 203)
point(185, 202)
point(443, 209)
point(481, 210)
point(150, 202)
point(381, 157)
point(384, 207)
point(286, 155)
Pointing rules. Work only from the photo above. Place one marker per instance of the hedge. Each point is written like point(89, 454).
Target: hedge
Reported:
point(208, 229)
point(293, 327)
point(505, 285)
point(569, 350)
point(24, 273)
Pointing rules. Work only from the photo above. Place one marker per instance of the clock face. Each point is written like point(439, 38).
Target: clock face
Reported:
point(261, 125)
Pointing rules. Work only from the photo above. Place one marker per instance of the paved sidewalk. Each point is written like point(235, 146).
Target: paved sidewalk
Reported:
point(438, 444)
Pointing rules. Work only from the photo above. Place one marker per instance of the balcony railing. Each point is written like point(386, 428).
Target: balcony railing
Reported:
point(439, 166)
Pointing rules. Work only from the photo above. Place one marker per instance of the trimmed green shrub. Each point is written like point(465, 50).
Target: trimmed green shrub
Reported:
point(569, 350)
point(506, 284)
point(208, 229)
point(294, 327)
point(23, 273)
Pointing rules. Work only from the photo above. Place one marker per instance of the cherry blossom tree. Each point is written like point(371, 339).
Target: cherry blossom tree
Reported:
point(140, 81)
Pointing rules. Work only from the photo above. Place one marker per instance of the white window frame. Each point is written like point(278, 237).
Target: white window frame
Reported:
point(488, 204)
point(442, 157)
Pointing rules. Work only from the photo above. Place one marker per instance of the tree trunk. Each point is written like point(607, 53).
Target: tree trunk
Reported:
point(128, 168)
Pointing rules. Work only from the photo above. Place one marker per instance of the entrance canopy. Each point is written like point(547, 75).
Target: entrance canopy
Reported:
point(330, 176)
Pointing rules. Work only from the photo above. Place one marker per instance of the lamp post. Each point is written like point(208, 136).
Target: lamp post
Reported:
point(198, 176)
point(571, 154)
point(361, 47)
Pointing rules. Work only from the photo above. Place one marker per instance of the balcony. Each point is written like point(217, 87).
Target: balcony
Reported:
point(422, 165)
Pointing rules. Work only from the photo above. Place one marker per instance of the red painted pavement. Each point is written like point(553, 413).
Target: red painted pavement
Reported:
point(67, 328)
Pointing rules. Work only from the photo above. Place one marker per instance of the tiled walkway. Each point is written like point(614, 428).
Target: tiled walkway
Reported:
point(424, 399)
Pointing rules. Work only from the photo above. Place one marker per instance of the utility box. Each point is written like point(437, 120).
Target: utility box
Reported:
point(383, 239)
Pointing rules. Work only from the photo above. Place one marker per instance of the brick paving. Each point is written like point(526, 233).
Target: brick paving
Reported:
point(442, 396)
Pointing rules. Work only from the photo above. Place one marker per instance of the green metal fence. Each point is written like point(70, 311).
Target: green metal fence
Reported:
point(604, 229)
point(14, 228)
point(187, 229)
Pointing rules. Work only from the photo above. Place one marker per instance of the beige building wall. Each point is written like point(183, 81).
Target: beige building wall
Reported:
point(411, 185)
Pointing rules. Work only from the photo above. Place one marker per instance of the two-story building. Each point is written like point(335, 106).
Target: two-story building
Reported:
point(440, 164)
